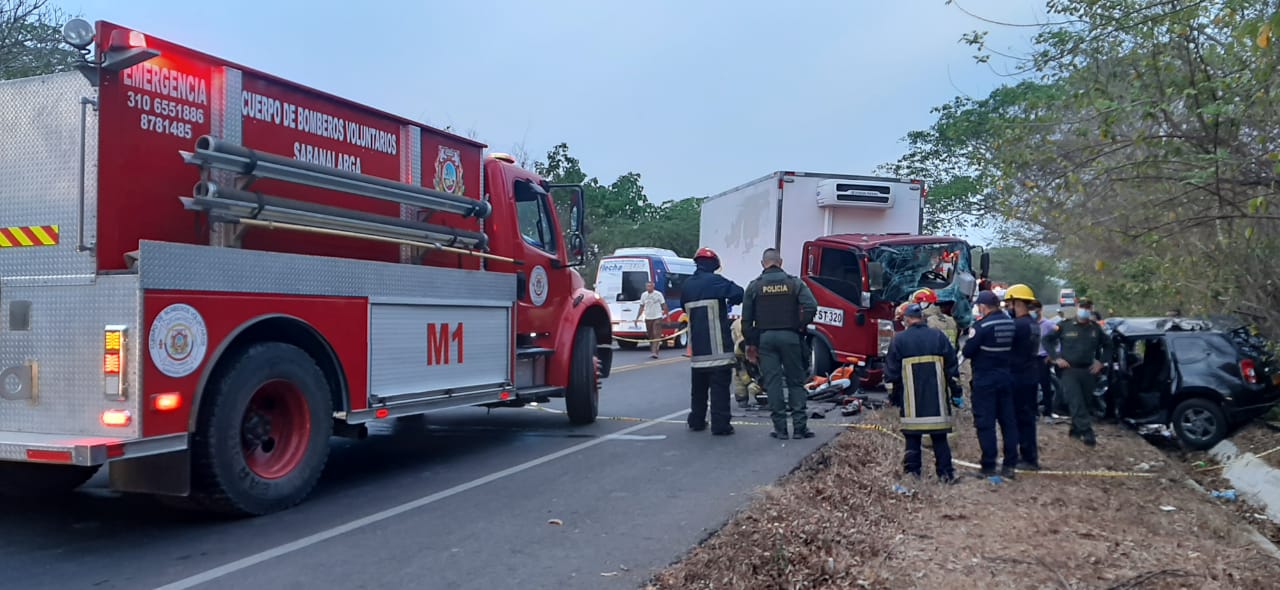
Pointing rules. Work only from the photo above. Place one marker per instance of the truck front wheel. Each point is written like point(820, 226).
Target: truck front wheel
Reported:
point(582, 397)
point(34, 480)
point(262, 438)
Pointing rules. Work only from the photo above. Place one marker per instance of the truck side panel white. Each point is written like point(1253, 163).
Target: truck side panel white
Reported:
point(40, 177)
point(739, 225)
point(64, 345)
point(418, 346)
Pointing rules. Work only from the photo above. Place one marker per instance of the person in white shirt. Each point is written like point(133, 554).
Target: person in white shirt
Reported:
point(653, 308)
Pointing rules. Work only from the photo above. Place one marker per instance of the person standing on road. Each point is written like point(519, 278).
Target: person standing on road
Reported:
point(745, 387)
point(1079, 349)
point(653, 308)
point(990, 351)
point(706, 299)
point(1026, 373)
point(921, 366)
point(776, 311)
point(934, 316)
point(1045, 367)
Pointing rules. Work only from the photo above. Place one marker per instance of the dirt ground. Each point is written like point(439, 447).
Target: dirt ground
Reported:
point(837, 522)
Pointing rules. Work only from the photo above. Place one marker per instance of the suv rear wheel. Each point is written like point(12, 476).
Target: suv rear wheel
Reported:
point(1199, 423)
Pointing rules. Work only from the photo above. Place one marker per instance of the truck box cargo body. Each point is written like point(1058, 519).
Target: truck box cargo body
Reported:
point(192, 252)
point(853, 239)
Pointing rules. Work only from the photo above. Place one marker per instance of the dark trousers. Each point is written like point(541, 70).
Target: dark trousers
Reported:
point(911, 462)
point(712, 383)
point(1077, 387)
point(1046, 386)
point(782, 364)
point(1026, 413)
point(993, 404)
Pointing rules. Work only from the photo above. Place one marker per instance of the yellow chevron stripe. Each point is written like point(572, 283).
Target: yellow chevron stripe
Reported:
point(4, 242)
point(42, 235)
point(21, 236)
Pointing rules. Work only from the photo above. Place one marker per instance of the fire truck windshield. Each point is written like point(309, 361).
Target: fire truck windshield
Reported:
point(908, 267)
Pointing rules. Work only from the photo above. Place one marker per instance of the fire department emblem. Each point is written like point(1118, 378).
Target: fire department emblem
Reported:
point(538, 285)
point(449, 171)
point(177, 340)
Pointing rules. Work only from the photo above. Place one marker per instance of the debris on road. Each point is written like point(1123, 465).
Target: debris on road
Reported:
point(555, 522)
point(838, 522)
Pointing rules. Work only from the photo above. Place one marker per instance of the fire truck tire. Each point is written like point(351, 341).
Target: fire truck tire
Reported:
point(582, 397)
point(262, 439)
point(33, 480)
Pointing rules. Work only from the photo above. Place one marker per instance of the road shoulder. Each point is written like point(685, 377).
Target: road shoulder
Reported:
point(838, 522)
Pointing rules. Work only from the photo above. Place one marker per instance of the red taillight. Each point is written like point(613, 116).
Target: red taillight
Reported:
point(166, 402)
point(1249, 370)
point(111, 363)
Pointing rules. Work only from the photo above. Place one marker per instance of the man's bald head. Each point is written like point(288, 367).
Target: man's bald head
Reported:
point(771, 258)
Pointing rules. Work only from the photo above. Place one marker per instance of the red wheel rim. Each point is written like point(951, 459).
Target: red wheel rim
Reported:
point(275, 430)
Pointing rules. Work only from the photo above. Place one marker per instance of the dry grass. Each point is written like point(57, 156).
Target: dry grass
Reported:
point(837, 523)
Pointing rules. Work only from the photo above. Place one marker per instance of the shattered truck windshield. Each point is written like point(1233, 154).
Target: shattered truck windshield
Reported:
point(908, 267)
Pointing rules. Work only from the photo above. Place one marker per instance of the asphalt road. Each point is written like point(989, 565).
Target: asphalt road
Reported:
point(460, 499)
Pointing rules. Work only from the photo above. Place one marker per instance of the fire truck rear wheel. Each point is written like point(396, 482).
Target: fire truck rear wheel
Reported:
point(582, 398)
point(33, 480)
point(263, 434)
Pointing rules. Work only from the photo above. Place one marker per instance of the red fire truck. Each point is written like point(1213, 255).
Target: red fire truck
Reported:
point(207, 271)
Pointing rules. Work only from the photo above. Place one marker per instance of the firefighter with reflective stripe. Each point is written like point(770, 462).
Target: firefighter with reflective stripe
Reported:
point(706, 298)
point(921, 365)
point(775, 312)
point(990, 351)
point(1026, 372)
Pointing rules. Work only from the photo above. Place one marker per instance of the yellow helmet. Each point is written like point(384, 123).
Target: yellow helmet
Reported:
point(1019, 291)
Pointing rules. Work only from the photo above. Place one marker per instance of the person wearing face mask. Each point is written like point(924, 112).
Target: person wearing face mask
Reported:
point(1079, 349)
point(1044, 366)
point(1026, 372)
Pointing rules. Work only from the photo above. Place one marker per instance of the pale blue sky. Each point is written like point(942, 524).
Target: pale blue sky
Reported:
point(696, 96)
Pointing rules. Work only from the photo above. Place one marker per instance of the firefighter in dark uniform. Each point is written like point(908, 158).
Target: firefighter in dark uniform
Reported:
point(1026, 372)
point(990, 350)
point(922, 367)
point(706, 298)
point(775, 314)
point(1080, 350)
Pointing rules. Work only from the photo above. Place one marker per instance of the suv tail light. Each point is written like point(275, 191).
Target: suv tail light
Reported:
point(1249, 370)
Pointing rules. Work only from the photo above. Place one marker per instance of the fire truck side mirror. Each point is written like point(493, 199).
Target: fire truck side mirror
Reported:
point(985, 265)
point(577, 250)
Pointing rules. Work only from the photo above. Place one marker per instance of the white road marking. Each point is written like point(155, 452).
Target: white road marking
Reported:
point(252, 560)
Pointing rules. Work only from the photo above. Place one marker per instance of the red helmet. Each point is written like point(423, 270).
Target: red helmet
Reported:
point(705, 252)
point(925, 295)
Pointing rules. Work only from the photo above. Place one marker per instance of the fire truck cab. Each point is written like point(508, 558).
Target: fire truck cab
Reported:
point(207, 271)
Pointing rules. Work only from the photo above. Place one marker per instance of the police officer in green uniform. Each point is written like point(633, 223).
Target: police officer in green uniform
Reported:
point(1080, 350)
point(776, 310)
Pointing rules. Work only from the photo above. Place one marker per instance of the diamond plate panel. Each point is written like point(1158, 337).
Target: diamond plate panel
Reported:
point(471, 346)
point(40, 176)
point(65, 341)
point(227, 123)
point(169, 266)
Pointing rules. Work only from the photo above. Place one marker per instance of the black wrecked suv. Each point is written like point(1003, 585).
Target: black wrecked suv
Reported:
point(1203, 380)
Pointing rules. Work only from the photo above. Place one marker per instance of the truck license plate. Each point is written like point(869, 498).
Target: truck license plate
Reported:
point(829, 316)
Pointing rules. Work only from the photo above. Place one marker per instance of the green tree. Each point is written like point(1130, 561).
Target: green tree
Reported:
point(1141, 149)
point(1018, 265)
point(620, 214)
point(31, 40)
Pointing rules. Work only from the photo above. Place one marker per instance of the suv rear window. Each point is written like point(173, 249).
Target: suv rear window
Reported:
point(1198, 348)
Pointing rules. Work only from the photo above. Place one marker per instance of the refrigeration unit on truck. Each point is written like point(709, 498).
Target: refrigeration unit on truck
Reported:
point(206, 271)
point(854, 240)
point(621, 279)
